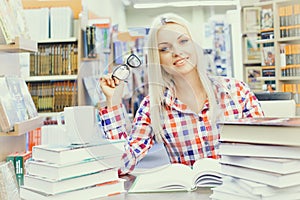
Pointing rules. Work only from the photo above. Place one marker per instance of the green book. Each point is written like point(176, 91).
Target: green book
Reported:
point(20, 160)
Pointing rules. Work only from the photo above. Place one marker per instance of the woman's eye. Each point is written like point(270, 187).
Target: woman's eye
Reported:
point(164, 49)
point(184, 41)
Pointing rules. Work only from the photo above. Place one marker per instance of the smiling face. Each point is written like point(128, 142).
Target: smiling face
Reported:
point(176, 49)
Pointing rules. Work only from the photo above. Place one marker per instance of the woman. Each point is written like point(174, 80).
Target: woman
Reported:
point(184, 102)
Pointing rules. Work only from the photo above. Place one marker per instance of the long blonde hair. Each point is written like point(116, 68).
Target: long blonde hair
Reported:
point(159, 79)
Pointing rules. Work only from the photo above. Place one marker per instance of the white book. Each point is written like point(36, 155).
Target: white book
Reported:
point(264, 130)
point(15, 89)
point(8, 182)
point(268, 178)
point(61, 154)
point(276, 165)
point(59, 172)
point(37, 21)
point(253, 187)
point(226, 192)
point(97, 191)
point(61, 22)
point(8, 111)
point(8, 26)
point(31, 109)
point(259, 150)
point(18, 12)
point(50, 186)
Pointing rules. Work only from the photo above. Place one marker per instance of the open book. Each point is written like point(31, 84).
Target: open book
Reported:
point(178, 177)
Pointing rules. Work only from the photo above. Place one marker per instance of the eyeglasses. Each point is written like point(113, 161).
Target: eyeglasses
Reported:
point(122, 72)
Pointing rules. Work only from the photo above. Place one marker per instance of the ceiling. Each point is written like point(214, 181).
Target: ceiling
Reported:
point(176, 3)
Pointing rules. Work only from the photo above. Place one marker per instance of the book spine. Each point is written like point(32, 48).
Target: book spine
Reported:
point(93, 42)
point(20, 166)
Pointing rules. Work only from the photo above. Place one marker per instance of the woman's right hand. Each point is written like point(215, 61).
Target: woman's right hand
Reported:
point(112, 89)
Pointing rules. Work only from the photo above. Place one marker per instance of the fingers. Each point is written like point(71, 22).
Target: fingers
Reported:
point(109, 81)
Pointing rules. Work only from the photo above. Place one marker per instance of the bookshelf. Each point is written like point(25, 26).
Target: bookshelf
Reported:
point(55, 66)
point(20, 45)
point(280, 39)
point(40, 79)
point(20, 128)
point(15, 140)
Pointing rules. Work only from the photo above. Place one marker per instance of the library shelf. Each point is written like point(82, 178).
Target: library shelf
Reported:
point(20, 45)
point(21, 128)
point(51, 78)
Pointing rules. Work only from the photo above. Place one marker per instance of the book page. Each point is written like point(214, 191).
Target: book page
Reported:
point(207, 172)
point(173, 177)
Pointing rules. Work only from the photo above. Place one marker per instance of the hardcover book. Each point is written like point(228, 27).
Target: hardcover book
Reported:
point(276, 165)
point(59, 172)
point(265, 177)
point(62, 154)
point(266, 130)
point(93, 192)
point(49, 186)
point(226, 192)
point(259, 150)
point(255, 188)
point(20, 160)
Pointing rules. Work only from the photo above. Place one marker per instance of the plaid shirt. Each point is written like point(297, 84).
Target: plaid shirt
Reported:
point(188, 136)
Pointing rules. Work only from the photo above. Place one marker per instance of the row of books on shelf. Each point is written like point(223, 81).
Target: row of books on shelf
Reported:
point(257, 162)
point(54, 59)
point(16, 103)
point(53, 96)
point(290, 59)
point(96, 37)
point(289, 20)
point(294, 88)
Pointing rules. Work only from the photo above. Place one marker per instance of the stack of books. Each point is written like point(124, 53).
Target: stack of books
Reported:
point(260, 159)
point(85, 171)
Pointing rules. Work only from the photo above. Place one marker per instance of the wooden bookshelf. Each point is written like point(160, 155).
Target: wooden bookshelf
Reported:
point(285, 39)
point(51, 78)
point(21, 128)
point(20, 45)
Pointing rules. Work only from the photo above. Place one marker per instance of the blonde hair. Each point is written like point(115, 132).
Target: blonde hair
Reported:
point(159, 79)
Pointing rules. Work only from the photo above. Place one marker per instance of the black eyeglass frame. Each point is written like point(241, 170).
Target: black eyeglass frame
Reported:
point(127, 66)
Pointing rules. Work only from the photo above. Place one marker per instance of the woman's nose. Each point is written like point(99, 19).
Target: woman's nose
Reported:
point(177, 51)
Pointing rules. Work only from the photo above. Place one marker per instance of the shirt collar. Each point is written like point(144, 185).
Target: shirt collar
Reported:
point(172, 102)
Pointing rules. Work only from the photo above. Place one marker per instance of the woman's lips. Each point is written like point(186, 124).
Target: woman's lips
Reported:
point(180, 62)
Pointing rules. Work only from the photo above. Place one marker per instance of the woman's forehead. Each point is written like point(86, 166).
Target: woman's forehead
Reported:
point(171, 30)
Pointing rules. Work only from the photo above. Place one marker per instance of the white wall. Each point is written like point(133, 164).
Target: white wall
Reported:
point(196, 15)
point(109, 8)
